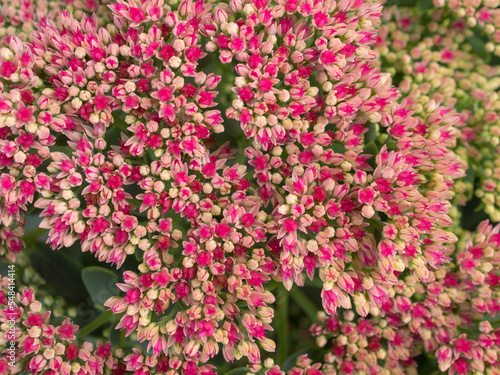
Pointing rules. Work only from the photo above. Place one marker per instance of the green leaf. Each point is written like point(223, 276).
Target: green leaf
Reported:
point(96, 323)
point(283, 344)
point(205, 62)
point(32, 236)
point(494, 320)
point(338, 147)
point(378, 227)
point(100, 283)
point(170, 313)
point(238, 371)
point(479, 47)
point(472, 214)
point(4, 268)
point(403, 3)
point(424, 5)
point(116, 336)
point(314, 283)
point(32, 222)
point(371, 134)
point(427, 365)
point(305, 304)
point(470, 177)
point(60, 271)
point(139, 255)
point(371, 149)
point(272, 285)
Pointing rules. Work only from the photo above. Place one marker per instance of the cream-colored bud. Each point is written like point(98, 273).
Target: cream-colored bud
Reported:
point(240, 81)
point(210, 245)
point(175, 62)
point(232, 28)
point(284, 209)
point(75, 367)
point(367, 211)
point(238, 103)
point(327, 86)
point(291, 199)
point(35, 332)
point(176, 234)
point(130, 86)
point(211, 46)
point(7, 54)
point(268, 363)
point(67, 194)
point(284, 95)
point(76, 103)
point(80, 53)
point(249, 9)
point(321, 341)
point(94, 118)
point(228, 247)
point(143, 268)
point(49, 353)
point(144, 320)
point(85, 95)
point(19, 157)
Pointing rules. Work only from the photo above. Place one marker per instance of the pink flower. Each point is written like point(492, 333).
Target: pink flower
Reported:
point(136, 14)
point(24, 114)
point(290, 225)
point(8, 68)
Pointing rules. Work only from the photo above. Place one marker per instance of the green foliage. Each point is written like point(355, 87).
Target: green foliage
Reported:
point(100, 284)
point(60, 271)
point(479, 46)
point(96, 323)
point(306, 305)
point(401, 2)
point(4, 268)
point(238, 371)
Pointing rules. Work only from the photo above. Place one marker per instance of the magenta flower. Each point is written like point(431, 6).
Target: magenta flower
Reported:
point(212, 151)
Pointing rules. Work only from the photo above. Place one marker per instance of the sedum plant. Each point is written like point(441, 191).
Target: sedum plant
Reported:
point(293, 187)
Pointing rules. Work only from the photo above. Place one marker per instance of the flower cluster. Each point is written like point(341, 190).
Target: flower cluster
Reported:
point(445, 63)
point(311, 150)
point(479, 17)
point(189, 221)
point(437, 316)
point(53, 348)
point(44, 346)
point(28, 121)
point(113, 128)
point(19, 18)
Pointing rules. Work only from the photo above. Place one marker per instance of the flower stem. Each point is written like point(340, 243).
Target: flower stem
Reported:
point(307, 306)
point(282, 316)
point(96, 323)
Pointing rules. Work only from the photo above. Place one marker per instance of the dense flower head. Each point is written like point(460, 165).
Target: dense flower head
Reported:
point(354, 139)
point(163, 156)
point(445, 63)
point(313, 159)
point(24, 140)
point(482, 17)
point(48, 347)
point(19, 18)
point(436, 316)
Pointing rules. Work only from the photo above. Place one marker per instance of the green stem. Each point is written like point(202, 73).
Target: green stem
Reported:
point(282, 317)
point(305, 304)
point(96, 323)
point(122, 338)
point(33, 235)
